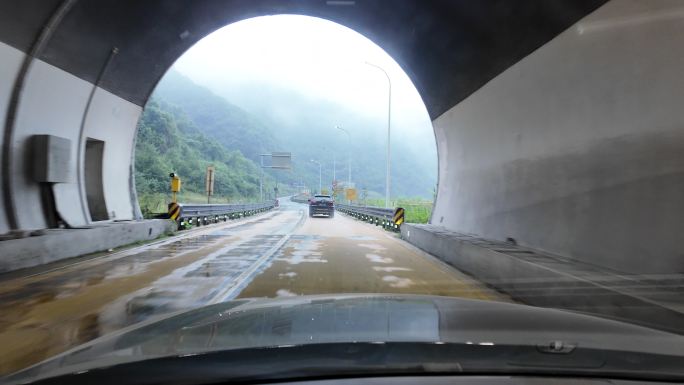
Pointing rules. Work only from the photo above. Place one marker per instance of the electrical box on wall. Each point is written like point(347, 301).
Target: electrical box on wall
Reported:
point(51, 159)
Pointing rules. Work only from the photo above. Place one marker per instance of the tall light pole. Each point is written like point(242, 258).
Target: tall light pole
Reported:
point(389, 119)
point(348, 156)
point(320, 180)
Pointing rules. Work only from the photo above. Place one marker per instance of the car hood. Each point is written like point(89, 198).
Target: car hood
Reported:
point(374, 318)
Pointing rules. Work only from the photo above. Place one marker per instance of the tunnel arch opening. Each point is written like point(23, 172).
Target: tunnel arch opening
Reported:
point(307, 63)
point(449, 50)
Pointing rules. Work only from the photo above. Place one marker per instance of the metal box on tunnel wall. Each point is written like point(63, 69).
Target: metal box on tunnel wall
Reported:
point(51, 159)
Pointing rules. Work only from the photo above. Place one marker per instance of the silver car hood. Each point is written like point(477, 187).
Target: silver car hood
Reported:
point(370, 318)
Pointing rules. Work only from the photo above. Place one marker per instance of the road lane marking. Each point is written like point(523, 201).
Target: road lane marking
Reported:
point(234, 287)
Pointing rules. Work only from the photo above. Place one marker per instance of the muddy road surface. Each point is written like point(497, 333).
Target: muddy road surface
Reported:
point(279, 253)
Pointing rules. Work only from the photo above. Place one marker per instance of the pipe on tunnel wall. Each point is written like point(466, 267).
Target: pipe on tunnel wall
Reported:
point(61, 99)
point(38, 98)
point(9, 68)
point(577, 149)
point(10, 114)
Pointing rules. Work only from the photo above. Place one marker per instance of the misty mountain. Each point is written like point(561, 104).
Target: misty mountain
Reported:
point(169, 141)
point(270, 119)
point(231, 126)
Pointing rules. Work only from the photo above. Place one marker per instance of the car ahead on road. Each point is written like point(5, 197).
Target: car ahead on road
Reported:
point(321, 205)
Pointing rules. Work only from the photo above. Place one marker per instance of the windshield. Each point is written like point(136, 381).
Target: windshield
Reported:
point(339, 172)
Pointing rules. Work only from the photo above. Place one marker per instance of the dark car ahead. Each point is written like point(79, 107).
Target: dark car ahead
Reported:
point(321, 205)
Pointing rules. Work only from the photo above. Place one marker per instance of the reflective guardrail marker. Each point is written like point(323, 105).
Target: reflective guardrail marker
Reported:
point(174, 210)
point(398, 217)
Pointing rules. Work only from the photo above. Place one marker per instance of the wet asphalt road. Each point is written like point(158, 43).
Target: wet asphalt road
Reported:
point(279, 253)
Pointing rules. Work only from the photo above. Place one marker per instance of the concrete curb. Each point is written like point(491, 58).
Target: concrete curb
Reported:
point(58, 244)
point(538, 279)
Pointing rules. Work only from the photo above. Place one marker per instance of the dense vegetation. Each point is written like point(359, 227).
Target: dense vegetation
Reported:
point(218, 119)
point(168, 141)
point(416, 210)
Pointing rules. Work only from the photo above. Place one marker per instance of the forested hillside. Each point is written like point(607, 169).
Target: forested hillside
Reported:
point(169, 141)
point(220, 120)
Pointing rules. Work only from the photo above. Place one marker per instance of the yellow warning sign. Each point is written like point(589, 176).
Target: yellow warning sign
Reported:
point(350, 194)
point(175, 183)
point(398, 218)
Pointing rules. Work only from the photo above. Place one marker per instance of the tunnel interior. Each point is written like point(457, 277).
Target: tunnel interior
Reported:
point(534, 107)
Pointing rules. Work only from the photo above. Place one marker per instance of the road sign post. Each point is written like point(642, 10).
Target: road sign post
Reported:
point(350, 194)
point(280, 161)
point(209, 182)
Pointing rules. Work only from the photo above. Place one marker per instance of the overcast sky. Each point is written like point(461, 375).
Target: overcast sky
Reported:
point(313, 56)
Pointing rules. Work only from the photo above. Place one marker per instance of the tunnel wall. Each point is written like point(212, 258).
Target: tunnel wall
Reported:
point(57, 103)
point(9, 67)
point(577, 149)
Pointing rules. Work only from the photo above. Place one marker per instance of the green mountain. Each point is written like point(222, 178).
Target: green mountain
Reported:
point(224, 122)
point(169, 141)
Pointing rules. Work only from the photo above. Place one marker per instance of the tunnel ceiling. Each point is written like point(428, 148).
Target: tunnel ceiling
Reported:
point(449, 48)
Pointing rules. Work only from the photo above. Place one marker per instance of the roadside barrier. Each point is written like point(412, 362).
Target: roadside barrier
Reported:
point(188, 215)
point(389, 219)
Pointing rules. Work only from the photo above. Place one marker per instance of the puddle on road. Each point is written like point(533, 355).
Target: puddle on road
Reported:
point(379, 259)
point(350, 268)
point(67, 307)
point(391, 269)
point(361, 238)
point(45, 314)
point(302, 249)
point(234, 260)
point(397, 282)
point(199, 282)
point(285, 293)
point(372, 246)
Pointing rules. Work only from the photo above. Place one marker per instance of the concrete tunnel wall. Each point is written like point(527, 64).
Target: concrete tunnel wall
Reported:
point(578, 149)
point(573, 150)
point(57, 103)
point(9, 67)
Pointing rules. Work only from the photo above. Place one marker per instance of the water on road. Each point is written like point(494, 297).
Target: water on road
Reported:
point(280, 253)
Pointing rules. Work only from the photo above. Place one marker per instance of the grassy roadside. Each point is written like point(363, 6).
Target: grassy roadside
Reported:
point(156, 203)
point(416, 210)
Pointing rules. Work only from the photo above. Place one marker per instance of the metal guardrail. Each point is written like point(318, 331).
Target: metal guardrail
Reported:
point(376, 215)
point(188, 215)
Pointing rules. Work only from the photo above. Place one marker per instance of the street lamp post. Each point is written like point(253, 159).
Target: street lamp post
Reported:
point(348, 156)
point(320, 180)
point(389, 117)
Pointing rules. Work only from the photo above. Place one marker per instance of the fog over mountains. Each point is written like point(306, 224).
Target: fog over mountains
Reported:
point(261, 118)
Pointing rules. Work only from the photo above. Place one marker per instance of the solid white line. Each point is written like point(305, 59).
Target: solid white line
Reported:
point(246, 276)
point(238, 283)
